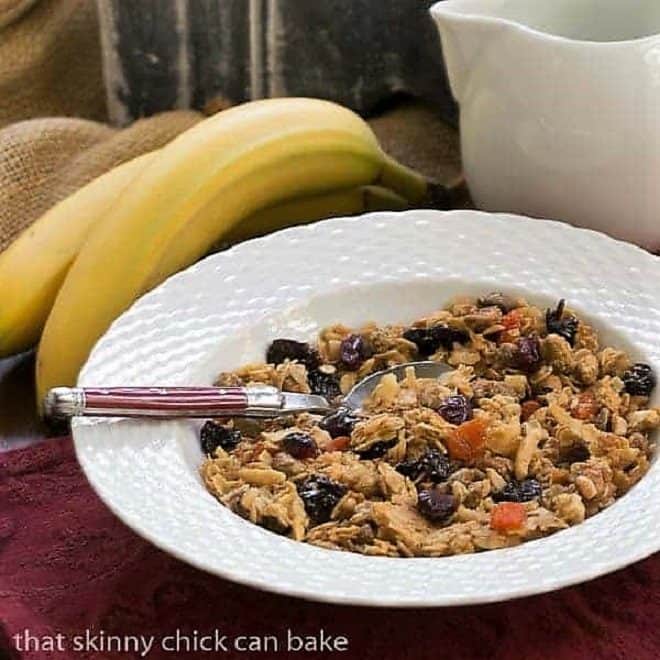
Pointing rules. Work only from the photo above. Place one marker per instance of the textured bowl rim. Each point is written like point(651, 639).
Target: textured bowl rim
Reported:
point(84, 429)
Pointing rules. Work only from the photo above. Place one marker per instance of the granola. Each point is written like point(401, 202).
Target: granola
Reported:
point(535, 428)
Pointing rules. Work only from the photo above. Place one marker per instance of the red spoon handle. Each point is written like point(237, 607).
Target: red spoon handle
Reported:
point(166, 399)
point(152, 401)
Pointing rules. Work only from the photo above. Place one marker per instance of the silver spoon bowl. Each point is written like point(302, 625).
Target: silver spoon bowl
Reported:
point(363, 389)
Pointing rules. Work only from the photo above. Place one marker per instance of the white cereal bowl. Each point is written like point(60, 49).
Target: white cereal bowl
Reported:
point(384, 267)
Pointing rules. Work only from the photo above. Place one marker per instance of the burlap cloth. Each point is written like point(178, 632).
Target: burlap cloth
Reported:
point(50, 60)
point(44, 160)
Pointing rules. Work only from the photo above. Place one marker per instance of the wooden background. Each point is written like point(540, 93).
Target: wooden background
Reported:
point(163, 54)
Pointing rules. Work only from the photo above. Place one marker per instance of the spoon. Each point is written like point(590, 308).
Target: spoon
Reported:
point(362, 389)
point(256, 401)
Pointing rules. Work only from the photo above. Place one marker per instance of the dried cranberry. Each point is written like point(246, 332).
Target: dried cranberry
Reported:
point(353, 351)
point(429, 340)
point(300, 445)
point(456, 409)
point(214, 435)
point(557, 323)
point(639, 379)
point(340, 422)
point(290, 349)
point(527, 356)
point(322, 383)
point(519, 491)
point(320, 495)
point(435, 506)
point(377, 450)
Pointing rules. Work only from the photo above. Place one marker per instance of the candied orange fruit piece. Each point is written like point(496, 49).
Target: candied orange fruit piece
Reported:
point(466, 442)
point(508, 517)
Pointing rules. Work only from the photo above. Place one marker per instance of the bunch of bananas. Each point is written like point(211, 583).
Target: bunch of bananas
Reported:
point(246, 171)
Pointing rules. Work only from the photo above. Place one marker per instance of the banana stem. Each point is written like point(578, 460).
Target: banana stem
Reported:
point(377, 198)
point(404, 181)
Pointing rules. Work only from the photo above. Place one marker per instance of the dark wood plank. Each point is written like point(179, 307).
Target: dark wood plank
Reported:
point(359, 52)
point(220, 51)
point(147, 63)
point(161, 54)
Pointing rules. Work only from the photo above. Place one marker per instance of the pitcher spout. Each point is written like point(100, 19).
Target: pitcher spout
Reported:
point(467, 29)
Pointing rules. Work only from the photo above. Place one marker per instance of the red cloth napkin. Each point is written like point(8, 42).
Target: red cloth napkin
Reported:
point(68, 565)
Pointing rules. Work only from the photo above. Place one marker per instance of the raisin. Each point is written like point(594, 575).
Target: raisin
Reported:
point(320, 495)
point(432, 466)
point(448, 336)
point(528, 355)
point(340, 422)
point(429, 340)
point(290, 349)
point(519, 491)
point(456, 409)
point(435, 466)
point(353, 351)
point(300, 445)
point(326, 385)
point(639, 380)
point(377, 450)
point(557, 323)
point(214, 435)
point(424, 340)
point(435, 506)
point(410, 468)
point(576, 454)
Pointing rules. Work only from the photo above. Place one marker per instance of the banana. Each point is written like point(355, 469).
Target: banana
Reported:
point(192, 193)
point(316, 207)
point(33, 267)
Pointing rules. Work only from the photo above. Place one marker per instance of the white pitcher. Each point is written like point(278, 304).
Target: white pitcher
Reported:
point(560, 108)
